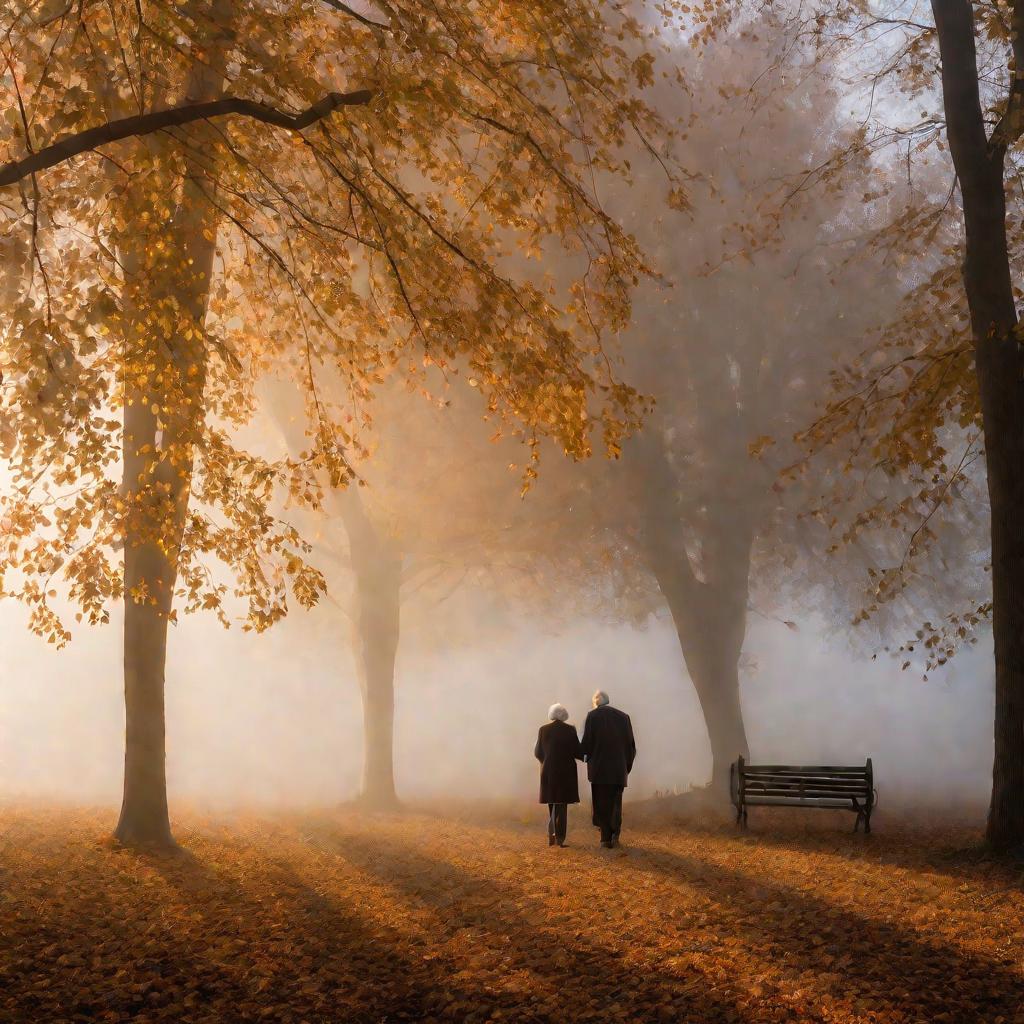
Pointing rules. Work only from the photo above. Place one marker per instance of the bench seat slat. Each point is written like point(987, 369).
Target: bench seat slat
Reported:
point(797, 786)
point(795, 779)
point(818, 768)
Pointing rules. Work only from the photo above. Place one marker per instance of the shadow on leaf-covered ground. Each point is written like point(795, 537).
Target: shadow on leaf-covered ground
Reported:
point(369, 919)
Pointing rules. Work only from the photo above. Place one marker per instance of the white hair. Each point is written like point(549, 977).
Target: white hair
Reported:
point(557, 713)
point(600, 698)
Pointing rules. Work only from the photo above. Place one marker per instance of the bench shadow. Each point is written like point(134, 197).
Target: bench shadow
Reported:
point(962, 855)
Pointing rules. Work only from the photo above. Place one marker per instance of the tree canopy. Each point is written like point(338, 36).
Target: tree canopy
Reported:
point(380, 236)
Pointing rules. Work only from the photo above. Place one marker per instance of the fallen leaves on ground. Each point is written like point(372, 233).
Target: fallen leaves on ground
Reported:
point(353, 917)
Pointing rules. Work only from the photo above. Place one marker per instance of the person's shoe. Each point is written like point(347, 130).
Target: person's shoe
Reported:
point(606, 843)
point(561, 842)
point(551, 840)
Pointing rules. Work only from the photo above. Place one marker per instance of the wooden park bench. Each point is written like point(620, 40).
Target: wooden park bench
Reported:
point(782, 785)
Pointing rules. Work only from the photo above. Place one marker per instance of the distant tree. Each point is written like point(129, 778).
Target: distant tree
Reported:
point(199, 194)
point(737, 345)
point(439, 508)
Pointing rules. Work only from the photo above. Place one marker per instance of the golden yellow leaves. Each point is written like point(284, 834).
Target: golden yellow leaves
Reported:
point(193, 264)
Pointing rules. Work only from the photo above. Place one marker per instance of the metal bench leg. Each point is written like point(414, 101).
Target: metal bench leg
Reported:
point(744, 818)
point(867, 823)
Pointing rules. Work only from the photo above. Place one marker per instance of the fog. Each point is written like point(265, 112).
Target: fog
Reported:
point(375, 376)
point(274, 720)
point(693, 549)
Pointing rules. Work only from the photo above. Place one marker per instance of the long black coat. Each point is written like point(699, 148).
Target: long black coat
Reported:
point(608, 746)
point(558, 749)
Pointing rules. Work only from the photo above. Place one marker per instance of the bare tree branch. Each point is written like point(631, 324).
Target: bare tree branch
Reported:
point(159, 120)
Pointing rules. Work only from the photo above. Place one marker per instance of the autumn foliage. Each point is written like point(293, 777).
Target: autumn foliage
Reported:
point(159, 273)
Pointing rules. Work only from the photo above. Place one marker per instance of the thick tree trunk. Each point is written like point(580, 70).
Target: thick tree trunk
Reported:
point(709, 614)
point(149, 586)
point(714, 669)
point(378, 574)
point(158, 456)
point(1000, 372)
point(377, 624)
point(711, 626)
point(163, 415)
point(1004, 417)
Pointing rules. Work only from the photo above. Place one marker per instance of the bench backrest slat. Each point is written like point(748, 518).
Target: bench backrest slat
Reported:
point(788, 785)
point(809, 794)
point(806, 780)
point(818, 788)
point(850, 779)
point(811, 782)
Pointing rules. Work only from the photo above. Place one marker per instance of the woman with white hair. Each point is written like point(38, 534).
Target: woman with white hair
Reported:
point(558, 749)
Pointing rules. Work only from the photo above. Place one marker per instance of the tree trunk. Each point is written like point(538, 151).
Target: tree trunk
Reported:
point(158, 458)
point(166, 301)
point(999, 368)
point(711, 627)
point(149, 586)
point(377, 624)
point(378, 573)
point(709, 614)
point(1004, 418)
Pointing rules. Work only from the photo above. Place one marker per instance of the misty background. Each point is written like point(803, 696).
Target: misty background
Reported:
point(739, 344)
point(274, 719)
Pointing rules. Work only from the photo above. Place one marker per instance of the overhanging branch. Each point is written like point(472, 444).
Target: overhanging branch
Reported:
point(158, 120)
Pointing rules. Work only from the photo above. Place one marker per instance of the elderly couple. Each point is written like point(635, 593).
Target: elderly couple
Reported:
point(607, 747)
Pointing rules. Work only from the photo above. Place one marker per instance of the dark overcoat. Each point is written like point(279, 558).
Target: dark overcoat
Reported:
point(558, 749)
point(608, 746)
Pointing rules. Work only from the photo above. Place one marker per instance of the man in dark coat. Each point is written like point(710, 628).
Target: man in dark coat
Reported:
point(609, 750)
point(558, 749)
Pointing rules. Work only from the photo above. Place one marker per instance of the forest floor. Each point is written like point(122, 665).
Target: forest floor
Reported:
point(353, 917)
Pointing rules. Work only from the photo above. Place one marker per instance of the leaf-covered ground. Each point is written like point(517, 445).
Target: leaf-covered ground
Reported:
point(354, 917)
